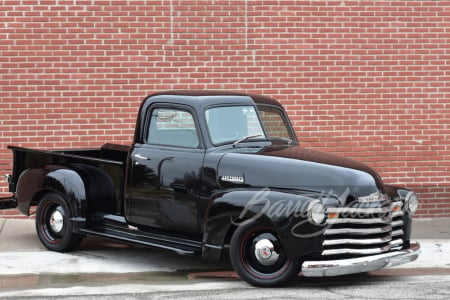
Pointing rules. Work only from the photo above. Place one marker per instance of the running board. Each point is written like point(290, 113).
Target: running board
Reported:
point(180, 246)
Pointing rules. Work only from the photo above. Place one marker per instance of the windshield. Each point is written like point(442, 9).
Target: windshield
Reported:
point(230, 124)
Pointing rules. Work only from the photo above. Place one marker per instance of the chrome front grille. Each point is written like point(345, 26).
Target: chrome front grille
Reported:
point(371, 225)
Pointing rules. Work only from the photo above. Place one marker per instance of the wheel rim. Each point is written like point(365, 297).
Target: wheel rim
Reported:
point(262, 255)
point(56, 221)
point(52, 222)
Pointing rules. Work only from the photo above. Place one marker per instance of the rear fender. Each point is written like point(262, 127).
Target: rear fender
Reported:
point(285, 212)
point(34, 183)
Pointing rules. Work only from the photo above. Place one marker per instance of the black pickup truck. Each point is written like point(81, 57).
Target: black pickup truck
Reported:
point(219, 174)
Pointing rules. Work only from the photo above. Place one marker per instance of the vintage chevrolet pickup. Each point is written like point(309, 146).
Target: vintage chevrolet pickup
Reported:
point(219, 174)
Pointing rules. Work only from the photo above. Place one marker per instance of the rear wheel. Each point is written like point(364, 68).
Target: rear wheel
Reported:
point(53, 224)
point(257, 256)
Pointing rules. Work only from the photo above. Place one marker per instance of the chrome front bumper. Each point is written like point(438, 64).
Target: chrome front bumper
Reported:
point(361, 264)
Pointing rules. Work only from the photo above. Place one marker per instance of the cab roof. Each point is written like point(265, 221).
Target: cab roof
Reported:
point(207, 97)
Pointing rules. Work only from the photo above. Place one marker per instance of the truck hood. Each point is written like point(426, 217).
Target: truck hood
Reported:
point(296, 168)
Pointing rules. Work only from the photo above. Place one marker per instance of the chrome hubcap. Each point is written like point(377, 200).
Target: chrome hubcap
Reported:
point(56, 221)
point(265, 252)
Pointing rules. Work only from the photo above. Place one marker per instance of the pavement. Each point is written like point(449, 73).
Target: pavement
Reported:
point(26, 264)
point(22, 253)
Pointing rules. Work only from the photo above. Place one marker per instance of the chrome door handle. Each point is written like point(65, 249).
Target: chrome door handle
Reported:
point(141, 157)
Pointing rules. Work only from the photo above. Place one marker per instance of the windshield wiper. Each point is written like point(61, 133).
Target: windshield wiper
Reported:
point(279, 138)
point(245, 138)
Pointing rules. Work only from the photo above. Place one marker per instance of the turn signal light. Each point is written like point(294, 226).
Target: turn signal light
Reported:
point(396, 208)
point(333, 215)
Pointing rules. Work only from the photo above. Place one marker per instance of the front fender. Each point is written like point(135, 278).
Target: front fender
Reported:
point(286, 212)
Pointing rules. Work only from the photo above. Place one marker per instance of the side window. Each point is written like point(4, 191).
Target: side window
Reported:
point(172, 127)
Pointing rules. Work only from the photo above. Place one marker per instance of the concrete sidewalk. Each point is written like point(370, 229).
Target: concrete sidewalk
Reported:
point(22, 253)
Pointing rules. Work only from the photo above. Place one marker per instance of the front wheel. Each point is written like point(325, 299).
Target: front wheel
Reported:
point(258, 258)
point(53, 224)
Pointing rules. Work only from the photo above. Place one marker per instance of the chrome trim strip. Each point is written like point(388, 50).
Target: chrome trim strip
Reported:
point(360, 264)
point(356, 251)
point(356, 241)
point(356, 231)
point(375, 197)
point(213, 246)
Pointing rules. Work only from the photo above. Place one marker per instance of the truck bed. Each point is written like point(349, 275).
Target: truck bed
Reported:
point(110, 159)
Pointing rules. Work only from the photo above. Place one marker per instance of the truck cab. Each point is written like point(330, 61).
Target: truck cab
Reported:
point(220, 174)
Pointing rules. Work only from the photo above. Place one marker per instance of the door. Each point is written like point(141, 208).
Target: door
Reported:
point(166, 172)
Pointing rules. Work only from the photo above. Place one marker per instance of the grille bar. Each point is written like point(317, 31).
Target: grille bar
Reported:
point(396, 243)
point(356, 241)
point(369, 251)
point(397, 214)
point(350, 210)
point(371, 225)
point(386, 220)
point(397, 232)
point(357, 231)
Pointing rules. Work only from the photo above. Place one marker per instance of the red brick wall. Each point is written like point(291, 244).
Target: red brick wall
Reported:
point(366, 79)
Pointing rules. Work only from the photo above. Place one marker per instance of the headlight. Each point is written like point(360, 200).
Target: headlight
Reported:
point(411, 202)
point(316, 212)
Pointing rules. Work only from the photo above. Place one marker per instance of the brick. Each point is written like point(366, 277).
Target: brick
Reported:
point(364, 79)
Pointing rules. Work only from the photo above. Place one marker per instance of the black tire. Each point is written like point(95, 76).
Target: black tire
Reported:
point(270, 267)
point(53, 224)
